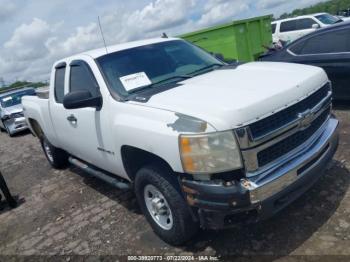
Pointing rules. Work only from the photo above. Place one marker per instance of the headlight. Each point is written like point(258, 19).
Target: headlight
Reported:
point(209, 153)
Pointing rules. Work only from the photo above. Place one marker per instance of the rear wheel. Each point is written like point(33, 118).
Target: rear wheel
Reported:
point(56, 156)
point(162, 203)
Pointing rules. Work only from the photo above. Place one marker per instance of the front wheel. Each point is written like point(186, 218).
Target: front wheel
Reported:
point(57, 157)
point(163, 205)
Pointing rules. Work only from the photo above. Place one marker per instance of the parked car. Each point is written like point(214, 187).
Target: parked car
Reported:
point(345, 13)
point(344, 18)
point(202, 143)
point(290, 29)
point(11, 111)
point(328, 48)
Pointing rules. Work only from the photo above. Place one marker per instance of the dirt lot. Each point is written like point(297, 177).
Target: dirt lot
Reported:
point(66, 212)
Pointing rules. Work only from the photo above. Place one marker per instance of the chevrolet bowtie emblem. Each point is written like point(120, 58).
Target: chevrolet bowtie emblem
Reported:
point(305, 119)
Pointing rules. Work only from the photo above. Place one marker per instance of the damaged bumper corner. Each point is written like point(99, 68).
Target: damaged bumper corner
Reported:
point(16, 125)
point(222, 204)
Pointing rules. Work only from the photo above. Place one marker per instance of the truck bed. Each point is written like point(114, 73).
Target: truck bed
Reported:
point(36, 108)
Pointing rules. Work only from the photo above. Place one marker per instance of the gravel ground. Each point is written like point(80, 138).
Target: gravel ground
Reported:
point(66, 212)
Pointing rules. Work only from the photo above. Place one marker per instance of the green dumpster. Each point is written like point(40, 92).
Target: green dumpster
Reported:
point(242, 40)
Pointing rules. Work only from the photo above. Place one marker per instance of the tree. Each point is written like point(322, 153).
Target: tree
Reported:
point(332, 7)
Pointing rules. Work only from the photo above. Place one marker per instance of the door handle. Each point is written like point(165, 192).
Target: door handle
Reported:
point(72, 119)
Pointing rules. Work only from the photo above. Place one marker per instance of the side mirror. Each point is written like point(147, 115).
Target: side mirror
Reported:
point(315, 26)
point(81, 99)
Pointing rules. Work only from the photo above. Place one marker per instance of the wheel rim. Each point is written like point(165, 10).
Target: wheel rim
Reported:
point(48, 152)
point(158, 207)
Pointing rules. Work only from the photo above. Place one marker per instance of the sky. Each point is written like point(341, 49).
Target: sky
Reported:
point(35, 33)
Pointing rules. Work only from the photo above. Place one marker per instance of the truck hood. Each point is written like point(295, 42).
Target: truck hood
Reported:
point(12, 109)
point(230, 98)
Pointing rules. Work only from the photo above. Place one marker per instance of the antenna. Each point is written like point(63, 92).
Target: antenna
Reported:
point(104, 41)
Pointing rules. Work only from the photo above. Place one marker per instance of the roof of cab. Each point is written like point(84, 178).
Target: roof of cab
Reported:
point(95, 53)
point(6, 93)
point(297, 17)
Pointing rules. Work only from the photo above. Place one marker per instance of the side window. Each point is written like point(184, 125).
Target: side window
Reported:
point(331, 42)
point(273, 28)
point(81, 78)
point(305, 23)
point(288, 26)
point(59, 83)
point(297, 47)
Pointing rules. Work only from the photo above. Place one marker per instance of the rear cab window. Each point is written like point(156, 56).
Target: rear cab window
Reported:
point(60, 72)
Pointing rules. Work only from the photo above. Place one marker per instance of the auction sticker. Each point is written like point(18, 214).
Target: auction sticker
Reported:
point(134, 81)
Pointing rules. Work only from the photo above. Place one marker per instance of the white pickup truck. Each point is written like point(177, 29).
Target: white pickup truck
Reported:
point(202, 143)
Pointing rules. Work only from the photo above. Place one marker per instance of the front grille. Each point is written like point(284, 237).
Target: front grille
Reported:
point(279, 149)
point(271, 123)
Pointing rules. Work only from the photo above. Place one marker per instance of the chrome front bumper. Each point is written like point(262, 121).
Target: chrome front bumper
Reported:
point(315, 152)
point(16, 125)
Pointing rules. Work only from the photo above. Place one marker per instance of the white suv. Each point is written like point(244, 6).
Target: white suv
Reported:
point(292, 28)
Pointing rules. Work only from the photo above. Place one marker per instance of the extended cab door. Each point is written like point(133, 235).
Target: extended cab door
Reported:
point(82, 132)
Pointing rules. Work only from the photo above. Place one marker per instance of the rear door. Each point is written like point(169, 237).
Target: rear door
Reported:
point(57, 111)
point(331, 51)
point(288, 31)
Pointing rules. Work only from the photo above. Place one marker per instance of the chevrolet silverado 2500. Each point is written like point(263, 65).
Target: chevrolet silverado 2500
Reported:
point(202, 143)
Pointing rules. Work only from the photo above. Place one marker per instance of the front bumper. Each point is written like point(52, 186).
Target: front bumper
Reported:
point(16, 125)
point(220, 204)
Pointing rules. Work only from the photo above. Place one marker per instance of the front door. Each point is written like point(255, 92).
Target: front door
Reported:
point(82, 129)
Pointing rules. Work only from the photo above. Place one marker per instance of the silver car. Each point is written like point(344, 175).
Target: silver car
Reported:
point(11, 111)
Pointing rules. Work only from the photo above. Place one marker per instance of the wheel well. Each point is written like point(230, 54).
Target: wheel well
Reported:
point(38, 132)
point(135, 158)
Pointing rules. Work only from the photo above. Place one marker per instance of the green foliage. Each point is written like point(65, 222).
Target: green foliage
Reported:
point(20, 84)
point(332, 7)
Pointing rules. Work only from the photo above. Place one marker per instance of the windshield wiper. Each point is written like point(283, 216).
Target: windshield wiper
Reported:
point(159, 82)
point(204, 68)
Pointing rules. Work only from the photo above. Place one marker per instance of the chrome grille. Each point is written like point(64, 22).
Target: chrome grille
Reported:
point(271, 123)
point(277, 150)
point(285, 131)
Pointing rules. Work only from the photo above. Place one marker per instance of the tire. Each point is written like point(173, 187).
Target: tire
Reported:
point(57, 158)
point(181, 227)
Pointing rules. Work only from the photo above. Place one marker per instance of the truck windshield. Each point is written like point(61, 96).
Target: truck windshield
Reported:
point(129, 70)
point(328, 19)
point(15, 98)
